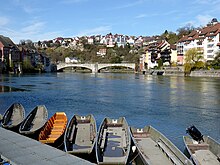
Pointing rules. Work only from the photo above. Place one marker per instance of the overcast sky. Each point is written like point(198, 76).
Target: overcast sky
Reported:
point(47, 19)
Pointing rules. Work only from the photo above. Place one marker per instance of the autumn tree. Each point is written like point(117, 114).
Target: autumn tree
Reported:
point(183, 31)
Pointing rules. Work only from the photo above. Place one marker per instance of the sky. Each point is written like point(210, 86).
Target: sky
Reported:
point(47, 19)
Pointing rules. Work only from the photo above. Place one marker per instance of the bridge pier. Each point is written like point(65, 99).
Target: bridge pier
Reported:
point(95, 68)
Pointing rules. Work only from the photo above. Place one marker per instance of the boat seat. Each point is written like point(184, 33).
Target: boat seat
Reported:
point(195, 147)
point(57, 126)
point(114, 125)
point(59, 121)
point(165, 148)
point(50, 140)
point(140, 135)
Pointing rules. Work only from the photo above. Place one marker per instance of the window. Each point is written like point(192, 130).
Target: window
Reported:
point(199, 43)
point(209, 56)
point(209, 51)
point(210, 45)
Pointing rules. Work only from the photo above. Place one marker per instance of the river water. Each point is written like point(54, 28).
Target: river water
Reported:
point(170, 104)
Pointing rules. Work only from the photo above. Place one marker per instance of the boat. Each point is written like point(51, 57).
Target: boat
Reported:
point(152, 147)
point(203, 150)
point(113, 141)
point(4, 160)
point(54, 129)
point(34, 122)
point(80, 135)
point(13, 117)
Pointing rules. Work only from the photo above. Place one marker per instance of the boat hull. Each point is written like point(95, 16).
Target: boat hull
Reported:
point(13, 117)
point(113, 142)
point(206, 152)
point(153, 147)
point(54, 129)
point(80, 135)
point(34, 122)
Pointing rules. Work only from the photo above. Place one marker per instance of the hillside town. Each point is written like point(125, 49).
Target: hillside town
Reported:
point(146, 51)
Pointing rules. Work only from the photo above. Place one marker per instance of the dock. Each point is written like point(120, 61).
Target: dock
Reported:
point(21, 150)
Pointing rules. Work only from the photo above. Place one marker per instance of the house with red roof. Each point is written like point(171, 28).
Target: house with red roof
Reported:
point(207, 39)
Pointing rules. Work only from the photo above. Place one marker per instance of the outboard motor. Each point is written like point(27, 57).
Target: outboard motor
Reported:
point(195, 133)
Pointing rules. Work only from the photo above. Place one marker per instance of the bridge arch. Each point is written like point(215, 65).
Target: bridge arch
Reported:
point(95, 67)
point(68, 65)
point(125, 65)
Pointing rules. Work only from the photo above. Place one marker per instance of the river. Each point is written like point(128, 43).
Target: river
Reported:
point(170, 104)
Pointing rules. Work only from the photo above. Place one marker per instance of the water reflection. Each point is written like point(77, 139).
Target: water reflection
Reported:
point(4, 89)
point(170, 104)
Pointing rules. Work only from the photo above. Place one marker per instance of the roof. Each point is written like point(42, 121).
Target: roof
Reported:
point(208, 31)
point(173, 47)
point(6, 41)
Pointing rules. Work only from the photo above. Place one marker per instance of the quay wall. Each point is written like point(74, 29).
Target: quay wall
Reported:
point(205, 73)
point(21, 150)
point(180, 72)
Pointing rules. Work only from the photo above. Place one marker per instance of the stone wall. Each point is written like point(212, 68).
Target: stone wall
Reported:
point(179, 72)
point(176, 71)
point(205, 73)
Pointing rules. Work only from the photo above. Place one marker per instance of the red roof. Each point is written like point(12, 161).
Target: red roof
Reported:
point(207, 31)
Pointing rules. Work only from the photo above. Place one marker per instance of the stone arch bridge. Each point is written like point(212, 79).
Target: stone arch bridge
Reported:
point(95, 68)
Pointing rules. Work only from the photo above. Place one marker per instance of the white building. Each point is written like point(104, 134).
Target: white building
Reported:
point(71, 60)
point(206, 39)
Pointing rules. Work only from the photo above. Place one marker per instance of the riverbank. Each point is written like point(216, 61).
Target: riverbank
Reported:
point(205, 73)
point(180, 72)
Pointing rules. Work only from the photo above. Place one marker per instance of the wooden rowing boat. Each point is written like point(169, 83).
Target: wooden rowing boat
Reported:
point(113, 141)
point(80, 135)
point(206, 152)
point(34, 122)
point(154, 148)
point(54, 129)
point(13, 117)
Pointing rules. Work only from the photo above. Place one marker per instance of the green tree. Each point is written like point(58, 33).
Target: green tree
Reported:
point(170, 37)
point(160, 63)
point(193, 60)
point(216, 62)
point(27, 67)
point(187, 69)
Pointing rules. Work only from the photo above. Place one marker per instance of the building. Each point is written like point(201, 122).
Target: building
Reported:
point(157, 50)
point(206, 39)
point(120, 40)
point(9, 54)
point(164, 52)
point(130, 41)
point(102, 52)
point(173, 54)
